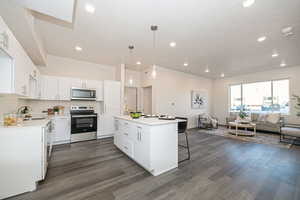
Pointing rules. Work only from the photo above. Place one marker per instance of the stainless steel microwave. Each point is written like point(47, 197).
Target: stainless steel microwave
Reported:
point(83, 94)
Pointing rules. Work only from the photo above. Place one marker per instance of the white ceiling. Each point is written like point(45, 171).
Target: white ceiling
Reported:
point(218, 33)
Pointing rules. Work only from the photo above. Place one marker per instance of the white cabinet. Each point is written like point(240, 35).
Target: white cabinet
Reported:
point(62, 129)
point(55, 88)
point(98, 85)
point(154, 147)
point(64, 88)
point(142, 145)
point(49, 88)
point(111, 108)
point(76, 82)
point(23, 157)
point(15, 75)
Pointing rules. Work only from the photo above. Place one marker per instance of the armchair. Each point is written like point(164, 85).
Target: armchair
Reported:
point(206, 121)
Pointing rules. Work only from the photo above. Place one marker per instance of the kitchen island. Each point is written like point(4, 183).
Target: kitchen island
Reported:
point(151, 142)
point(24, 151)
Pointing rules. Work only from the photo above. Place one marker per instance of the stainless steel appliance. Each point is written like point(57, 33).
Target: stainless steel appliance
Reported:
point(83, 123)
point(83, 94)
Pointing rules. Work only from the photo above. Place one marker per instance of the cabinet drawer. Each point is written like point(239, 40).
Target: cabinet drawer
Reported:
point(127, 147)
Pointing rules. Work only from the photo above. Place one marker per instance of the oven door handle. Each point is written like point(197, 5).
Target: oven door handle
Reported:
point(82, 116)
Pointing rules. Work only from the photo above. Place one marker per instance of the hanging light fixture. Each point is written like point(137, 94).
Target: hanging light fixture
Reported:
point(130, 47)
point(154, 28)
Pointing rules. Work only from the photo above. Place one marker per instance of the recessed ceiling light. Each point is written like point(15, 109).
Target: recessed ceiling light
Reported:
point(222, 75)
point(172, 44)
point(78, 48)
point(248, 3)
point(261, 39)
point(89, 8)
point(275, 54)
point(207, 70)
point(282, 64)
point(287, 31)
point(138, 63)
point(185, 64)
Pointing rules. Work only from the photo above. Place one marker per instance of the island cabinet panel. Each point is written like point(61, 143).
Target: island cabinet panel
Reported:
point(142, 145)
point(154, 147)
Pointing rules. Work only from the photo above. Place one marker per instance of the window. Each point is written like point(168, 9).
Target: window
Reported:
point(268, 96)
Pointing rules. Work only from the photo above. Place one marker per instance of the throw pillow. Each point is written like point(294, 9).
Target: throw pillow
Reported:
point(273, 118)
point(262, 118)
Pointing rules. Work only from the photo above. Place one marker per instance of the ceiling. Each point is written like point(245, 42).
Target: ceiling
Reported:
point(219, 34)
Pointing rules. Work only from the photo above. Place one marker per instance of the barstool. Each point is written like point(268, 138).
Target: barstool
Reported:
point(182, 127)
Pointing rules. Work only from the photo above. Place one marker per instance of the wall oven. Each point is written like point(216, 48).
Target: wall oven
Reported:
point(83, 94)
point(83, 123)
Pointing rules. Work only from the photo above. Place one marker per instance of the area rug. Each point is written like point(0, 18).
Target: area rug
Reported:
point(261, 138)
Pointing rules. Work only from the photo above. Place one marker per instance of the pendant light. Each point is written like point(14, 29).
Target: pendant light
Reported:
point(154, 28)
point(130, 47)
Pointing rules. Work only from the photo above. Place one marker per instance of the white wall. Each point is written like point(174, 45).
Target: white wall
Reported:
point(221, 99)
point(172, 93)
point(60, 66)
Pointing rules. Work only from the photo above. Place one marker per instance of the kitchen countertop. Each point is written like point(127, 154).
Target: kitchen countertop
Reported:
point(149, 121)
point(29, 123)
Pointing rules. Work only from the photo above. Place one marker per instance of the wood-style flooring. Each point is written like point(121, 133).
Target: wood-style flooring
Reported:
point(220, 168)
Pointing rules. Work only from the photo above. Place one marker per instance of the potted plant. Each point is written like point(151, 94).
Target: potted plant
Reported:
point(243, 117)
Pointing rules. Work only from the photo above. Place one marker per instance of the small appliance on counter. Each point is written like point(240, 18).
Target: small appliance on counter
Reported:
point(83, 123)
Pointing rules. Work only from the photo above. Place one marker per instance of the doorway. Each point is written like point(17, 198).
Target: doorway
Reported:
point(147, 100)
point(131, 99)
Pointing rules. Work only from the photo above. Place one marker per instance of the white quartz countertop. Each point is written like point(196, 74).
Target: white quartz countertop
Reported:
point(29, 123)
point(149, 121)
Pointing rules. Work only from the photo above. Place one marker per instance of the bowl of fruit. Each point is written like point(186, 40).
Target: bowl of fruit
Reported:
point(135, 115)
point(10, 119)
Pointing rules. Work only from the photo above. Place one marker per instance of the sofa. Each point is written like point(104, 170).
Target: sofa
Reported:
point(271, 122)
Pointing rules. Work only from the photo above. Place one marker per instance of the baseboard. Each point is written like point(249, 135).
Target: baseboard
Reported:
point(104, 136)
point(62, 142)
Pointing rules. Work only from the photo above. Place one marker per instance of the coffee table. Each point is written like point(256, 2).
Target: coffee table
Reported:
point(236, 131)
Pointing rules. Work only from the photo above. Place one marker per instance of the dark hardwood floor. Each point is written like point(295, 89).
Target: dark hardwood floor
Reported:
point(220, 168)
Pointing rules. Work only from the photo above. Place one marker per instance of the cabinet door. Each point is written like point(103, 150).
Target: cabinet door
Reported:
point(76, 82)
point(49, 88)
point(64, 86)
point(142, 146)
point(117, 136)
point(98, 85)
point(44, 155)
point(111, 106)
point(62, 130)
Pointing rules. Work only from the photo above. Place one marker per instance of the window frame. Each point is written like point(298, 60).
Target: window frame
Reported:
point(272, 89)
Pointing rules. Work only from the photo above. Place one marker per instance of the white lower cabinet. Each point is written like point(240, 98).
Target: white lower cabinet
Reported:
point(155, 148)
point(24, 152)
point(62, 129)
point(142, 145)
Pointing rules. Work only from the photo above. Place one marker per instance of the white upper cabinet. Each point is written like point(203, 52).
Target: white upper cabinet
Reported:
point(17, 72)
point(98, 85)
point(64, 88)
point(76, 82)
point(49, 88)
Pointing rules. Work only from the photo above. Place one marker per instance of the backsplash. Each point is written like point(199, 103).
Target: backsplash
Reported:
point(11, 103)
point(39, 106)
point(8, 104)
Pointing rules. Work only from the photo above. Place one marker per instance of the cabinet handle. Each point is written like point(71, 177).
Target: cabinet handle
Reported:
point(140, 136)
point(126, 134)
